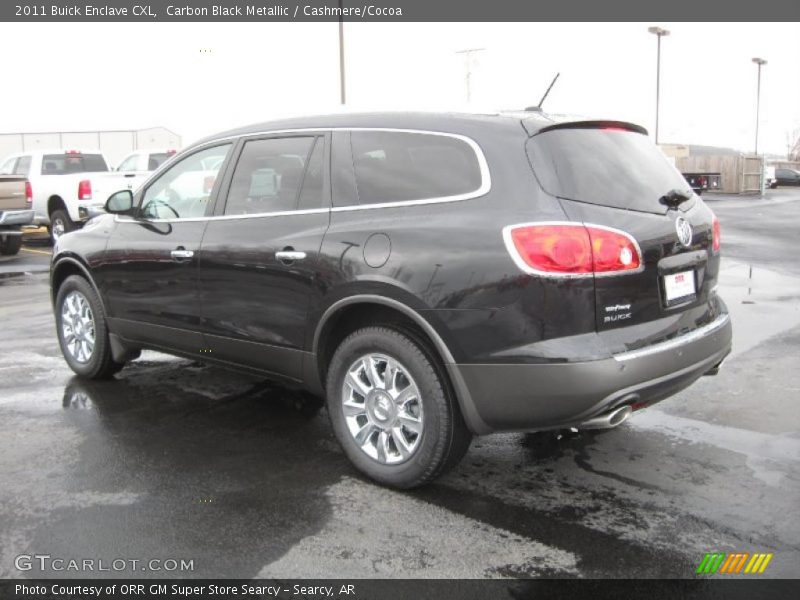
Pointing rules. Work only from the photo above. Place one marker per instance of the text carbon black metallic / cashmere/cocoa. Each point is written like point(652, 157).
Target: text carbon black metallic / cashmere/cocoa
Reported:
point(434, 276)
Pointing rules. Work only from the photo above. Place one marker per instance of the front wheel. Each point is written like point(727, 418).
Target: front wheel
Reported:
point(392, 409)
point(82, 331)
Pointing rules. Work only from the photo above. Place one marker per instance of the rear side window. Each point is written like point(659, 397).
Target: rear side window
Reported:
point(63, 164)
point(399, 166)
point(608, 167)
point(268, 175)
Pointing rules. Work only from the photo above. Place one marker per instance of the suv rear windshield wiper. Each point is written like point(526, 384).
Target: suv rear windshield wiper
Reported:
point(675, 197)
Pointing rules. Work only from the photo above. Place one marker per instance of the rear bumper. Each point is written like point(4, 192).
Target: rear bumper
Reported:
point(529, 397)
point(16, 218)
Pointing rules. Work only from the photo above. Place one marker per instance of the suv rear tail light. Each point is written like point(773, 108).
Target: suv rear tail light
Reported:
point(715, 234)
point(572, 249)
point(28, 192)
point(85, 190)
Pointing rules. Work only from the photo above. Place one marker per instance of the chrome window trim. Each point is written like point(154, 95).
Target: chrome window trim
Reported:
point(677, 342)
point(485, 187)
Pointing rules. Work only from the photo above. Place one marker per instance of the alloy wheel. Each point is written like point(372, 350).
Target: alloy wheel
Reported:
point(382, 408)
point(77, 327)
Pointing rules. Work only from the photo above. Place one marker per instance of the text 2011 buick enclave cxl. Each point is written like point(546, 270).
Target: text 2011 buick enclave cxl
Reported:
point(434, 276)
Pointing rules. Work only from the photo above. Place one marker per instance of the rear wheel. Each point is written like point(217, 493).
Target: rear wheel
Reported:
point(60, 223)
point(392, 409)
point(10, 244)
point(82, 331)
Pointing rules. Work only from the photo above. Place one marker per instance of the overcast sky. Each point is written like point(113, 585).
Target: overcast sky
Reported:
point(66, 77)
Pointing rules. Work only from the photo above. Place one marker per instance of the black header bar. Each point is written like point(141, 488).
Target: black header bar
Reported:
point(398, 10)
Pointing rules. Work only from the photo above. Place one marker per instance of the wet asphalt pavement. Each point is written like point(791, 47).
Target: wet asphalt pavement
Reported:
point(175, 460)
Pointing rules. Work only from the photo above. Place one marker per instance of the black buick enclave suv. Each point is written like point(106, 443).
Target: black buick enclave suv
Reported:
point(434, 276)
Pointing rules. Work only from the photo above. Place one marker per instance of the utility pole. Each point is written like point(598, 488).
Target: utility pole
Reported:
point(469, 64)
point(341, 52)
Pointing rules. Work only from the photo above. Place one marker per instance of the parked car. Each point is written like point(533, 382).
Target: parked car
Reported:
point(144, 161)
point(786, 177)
point(435, 276)
point(68, 186)
point(15, 211)
point(701, 182)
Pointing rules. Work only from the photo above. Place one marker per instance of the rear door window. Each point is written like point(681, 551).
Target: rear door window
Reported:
point(312, 195)
point(268, 176)
point(604, 166)
point(399, 166)
point(64, 164)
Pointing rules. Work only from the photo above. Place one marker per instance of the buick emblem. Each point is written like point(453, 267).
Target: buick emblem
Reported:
point(684, 231)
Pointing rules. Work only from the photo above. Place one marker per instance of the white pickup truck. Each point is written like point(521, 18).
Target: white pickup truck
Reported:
point(68, 186)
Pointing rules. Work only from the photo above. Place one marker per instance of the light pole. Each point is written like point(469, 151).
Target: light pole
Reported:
point(341, 52)
point(659, 32)
point(759, 62)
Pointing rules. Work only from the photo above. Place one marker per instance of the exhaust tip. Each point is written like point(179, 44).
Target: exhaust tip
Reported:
point(619, 416)
point(610, 419)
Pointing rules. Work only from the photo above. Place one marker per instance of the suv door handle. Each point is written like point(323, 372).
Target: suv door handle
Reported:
point(181, 254)
point(289, 255)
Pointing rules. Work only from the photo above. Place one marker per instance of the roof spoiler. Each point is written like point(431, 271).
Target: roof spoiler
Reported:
point(533, 127)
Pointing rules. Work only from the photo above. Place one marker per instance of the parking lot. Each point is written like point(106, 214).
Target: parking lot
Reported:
point(175, 460)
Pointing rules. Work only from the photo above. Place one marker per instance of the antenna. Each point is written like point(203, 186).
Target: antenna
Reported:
point(552, 83)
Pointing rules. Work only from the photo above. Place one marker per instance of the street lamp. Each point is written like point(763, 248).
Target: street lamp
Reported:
point(659, 32)
point(759, 62)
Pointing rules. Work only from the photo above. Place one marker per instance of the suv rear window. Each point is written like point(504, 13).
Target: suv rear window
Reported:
point(63, 164)
point(608, 167)
point(395, 166)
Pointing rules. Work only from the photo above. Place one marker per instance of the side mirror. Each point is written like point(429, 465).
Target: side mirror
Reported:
point(120, 203)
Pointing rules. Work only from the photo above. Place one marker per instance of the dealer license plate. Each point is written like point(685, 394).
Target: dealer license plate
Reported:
point(679, 286)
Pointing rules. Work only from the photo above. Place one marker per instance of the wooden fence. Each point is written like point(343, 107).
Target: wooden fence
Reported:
point(738, 174)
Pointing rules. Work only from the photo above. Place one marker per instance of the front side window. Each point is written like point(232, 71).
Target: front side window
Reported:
point(268, 176)
point(184, 190)
point(398, 166)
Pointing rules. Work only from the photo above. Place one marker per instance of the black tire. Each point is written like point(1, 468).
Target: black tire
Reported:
point(10, 245)
point(100, 364)
point(444, 439)
point(59, 220)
